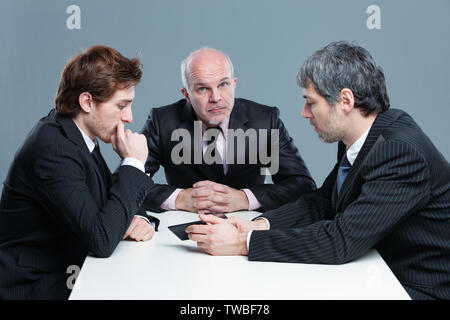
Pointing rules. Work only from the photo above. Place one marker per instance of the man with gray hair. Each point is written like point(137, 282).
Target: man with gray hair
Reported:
point(389, 190)
point(215, 148)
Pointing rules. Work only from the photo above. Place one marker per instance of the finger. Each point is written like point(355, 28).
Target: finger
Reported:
point(219, 209)
point(149, 235)
point(129, 230)
point(141, 234)
point(197, 228)
point(219, 199)
point(197, 237)
point(114, 140)
point(205, 247)
point(141, 228)
point(221, 188)
point(202, 192)
point(204, 211)
point(120, 131)
point(210, 218)
point(202, 183)
point(203, 204)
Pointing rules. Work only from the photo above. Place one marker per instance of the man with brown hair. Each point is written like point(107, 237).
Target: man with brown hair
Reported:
point(59, 200)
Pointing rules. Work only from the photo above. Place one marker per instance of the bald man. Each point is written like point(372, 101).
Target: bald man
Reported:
point(223, 169)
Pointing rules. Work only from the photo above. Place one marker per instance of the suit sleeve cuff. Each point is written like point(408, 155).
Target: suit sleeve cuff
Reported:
point(250, 232)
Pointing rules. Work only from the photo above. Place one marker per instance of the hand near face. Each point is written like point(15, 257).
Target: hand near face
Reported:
point(139, 230)
point(210, 196)
point(128, 144)
point(219, 237)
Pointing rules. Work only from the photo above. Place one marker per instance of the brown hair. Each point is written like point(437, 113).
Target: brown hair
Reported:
point(99, 70)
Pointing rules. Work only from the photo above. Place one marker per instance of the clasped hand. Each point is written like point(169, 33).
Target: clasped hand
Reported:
point(208, 196)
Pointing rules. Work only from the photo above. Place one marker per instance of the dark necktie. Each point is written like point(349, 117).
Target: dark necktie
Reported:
point(217, 166)
point(344, 168)
point(100, 164)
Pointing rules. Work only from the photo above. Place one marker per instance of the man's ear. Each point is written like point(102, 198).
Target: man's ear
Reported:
point(85, 101)
point(185, 93)
point(347, 100)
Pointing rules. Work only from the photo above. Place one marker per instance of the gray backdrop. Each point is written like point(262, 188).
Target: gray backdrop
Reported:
point(267, 41)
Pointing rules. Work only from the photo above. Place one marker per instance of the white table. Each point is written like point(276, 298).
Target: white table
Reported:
point(168, 268)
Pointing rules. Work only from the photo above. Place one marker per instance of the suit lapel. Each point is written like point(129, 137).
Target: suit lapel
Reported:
point(238, 120)
point(383, 121)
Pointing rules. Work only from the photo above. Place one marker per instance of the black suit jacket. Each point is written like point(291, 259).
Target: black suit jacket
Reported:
point(395, 198)
point(55, 208)
point(292, 179)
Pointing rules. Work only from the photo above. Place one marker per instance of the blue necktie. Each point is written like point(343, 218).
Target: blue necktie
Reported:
point(342, 172)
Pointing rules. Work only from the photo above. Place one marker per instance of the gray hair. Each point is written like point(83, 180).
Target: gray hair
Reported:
point(185, 65)
point(342, 65)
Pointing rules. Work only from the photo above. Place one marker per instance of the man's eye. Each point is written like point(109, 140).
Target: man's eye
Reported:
point(201, 89)
point(122, 106)
point(223, 84)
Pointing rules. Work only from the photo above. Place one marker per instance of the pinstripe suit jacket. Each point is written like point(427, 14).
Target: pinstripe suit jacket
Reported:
point(55, 208)
point(395, 198)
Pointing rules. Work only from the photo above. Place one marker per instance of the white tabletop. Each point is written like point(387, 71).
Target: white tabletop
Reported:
point(168, 268)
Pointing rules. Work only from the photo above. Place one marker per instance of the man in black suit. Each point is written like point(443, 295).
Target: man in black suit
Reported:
point(183, 138)
point(390, 187)
point(59, 201)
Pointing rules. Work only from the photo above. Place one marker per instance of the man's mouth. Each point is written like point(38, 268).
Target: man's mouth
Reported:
point(216, 109)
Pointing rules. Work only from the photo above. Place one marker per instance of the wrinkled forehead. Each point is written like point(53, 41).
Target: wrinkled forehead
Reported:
point(209, 67)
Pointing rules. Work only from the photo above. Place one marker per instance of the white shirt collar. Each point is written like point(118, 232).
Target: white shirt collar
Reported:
point(354, 149)
point(89, 143)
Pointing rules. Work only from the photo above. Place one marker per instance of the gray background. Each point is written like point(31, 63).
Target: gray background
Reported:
point(267, 41)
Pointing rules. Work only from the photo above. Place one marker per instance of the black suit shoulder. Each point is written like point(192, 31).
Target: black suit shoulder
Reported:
point(405, 130)
point(255, 108)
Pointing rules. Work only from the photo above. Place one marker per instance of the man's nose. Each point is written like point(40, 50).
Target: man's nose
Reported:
point(306, 113)
point(215, 95)
point(127, 115)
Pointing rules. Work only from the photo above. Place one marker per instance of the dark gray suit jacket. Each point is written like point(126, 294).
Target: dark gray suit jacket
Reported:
point(292, 179)
point(395, 198)
point(56, 207)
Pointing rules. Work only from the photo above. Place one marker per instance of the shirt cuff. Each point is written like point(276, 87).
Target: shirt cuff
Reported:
point(253, 203)
point(170, 203)
point(134, 163)
point(250, 232)
point(248, 239)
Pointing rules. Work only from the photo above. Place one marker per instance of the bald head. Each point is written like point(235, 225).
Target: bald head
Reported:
point(205, 61)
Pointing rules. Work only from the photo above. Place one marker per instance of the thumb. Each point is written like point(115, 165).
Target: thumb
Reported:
point(117, 138)
point(120, 131)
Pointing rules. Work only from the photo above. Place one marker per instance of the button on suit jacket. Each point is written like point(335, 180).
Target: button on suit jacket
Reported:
point(56, 208)
point(396, 198)
point(292, 179)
